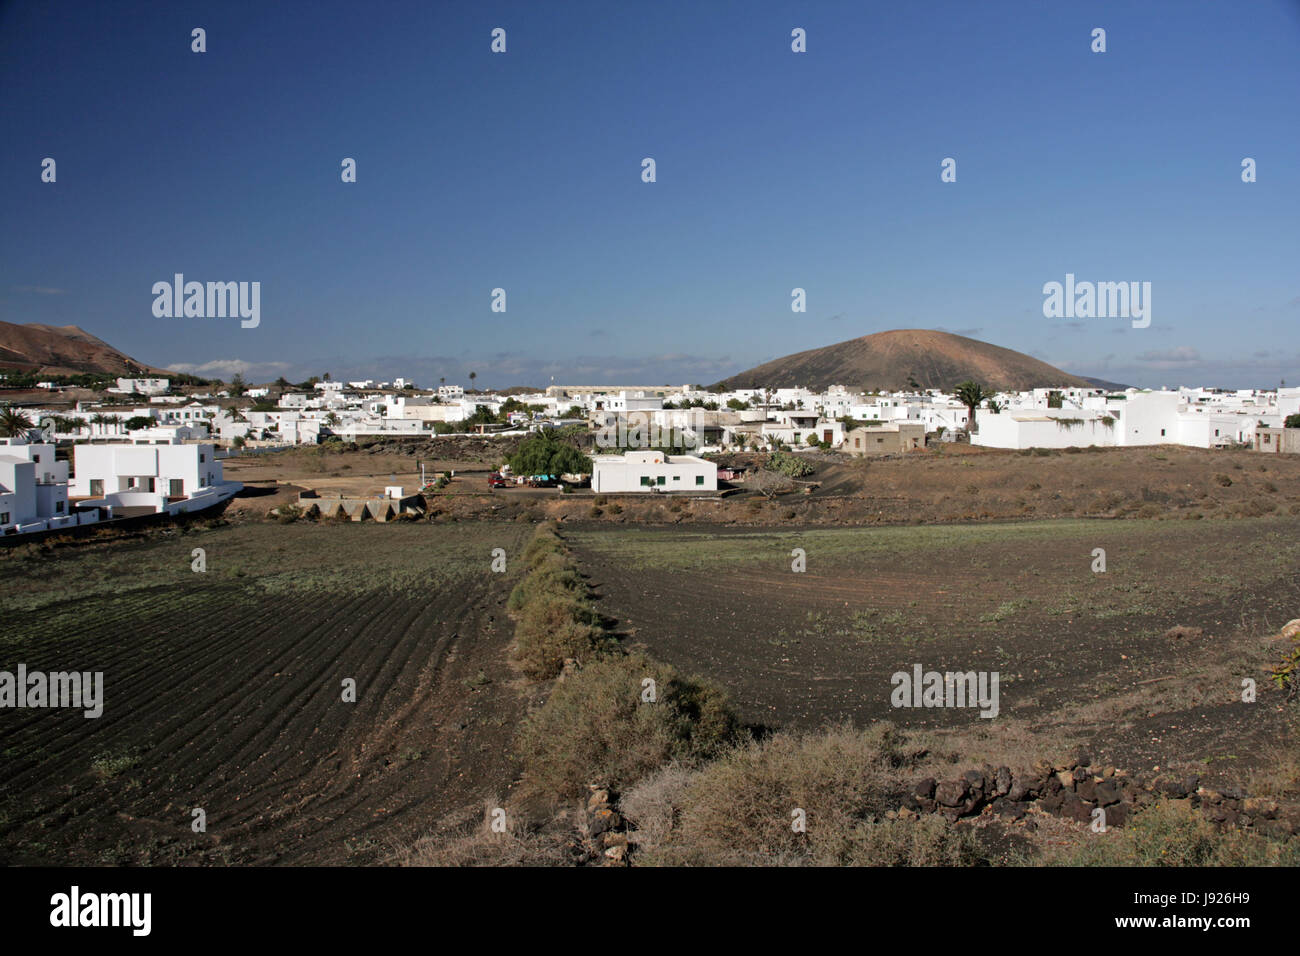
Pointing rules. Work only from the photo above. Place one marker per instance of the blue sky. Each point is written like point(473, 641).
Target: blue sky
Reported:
point(775, 170)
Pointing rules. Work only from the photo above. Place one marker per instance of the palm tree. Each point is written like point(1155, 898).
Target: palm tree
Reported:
point(970, 394)
point(472, 376)
point(14, 423)
point(73, 425)
point(99, 418)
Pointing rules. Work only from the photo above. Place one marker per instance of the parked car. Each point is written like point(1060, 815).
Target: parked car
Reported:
point(496, 480)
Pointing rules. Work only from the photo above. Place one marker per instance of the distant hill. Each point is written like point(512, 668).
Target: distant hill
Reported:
point(1102, 383)
point(891, 360)
point(64, 350)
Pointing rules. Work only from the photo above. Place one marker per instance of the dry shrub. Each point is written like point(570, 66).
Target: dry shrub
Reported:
point(519, 845)
point(652, 804)
point(1171, 833)
point(738, 809)
point(555, 628)
point(596, 728)
point(551, 575)
point(928, 840)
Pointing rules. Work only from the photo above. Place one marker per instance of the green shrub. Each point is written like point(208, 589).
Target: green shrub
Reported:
point(596, 727)
point(792, 466)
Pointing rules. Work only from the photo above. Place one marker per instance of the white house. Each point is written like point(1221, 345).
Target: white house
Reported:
point(142, 386)
point(172, 478)
point(652, 471)
point(33, 488)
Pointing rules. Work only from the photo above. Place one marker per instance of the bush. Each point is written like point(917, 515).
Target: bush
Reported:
point(1169, 833)
point(287, 514)
point(550, 576)
point(738, 809)
point(789, 465)
point(552, 629)
point(596, 727)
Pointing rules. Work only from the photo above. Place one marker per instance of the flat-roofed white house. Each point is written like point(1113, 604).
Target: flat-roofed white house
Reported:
point(170, 478)
point(142, 386)
point(33, 488)
point(652, 471)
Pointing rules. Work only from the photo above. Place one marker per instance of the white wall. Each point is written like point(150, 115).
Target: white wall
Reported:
point(623, 473)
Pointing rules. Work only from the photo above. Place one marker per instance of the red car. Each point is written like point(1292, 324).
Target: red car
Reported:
point(496, 481)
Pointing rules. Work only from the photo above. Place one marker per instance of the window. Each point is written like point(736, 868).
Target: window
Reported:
point(36, 458)
point(4, 517)
point(201, 458)
point(176, 488)
point(1162, 432)
point(699, 479)
point(660, 480)
point(58, 507)
point(645, 480)
point(96, 486)
point(677, 477)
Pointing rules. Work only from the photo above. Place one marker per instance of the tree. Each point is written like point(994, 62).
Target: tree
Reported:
point(544, 454)
point(237, 385)
point(472, 376)
point(14, 422)
point(1292, 421)
point(970, 394)
point(139, 421)
point(770, 483)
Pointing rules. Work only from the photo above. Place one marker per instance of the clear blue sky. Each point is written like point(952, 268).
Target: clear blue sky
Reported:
point(775, 170)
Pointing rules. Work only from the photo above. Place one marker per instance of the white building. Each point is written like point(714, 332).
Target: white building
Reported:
point(172, 478)
point(142, 386)
point(652, 471)
point(33, 488)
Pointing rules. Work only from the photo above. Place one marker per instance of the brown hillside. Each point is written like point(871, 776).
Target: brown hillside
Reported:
point(63, 350)
point(886, 360)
